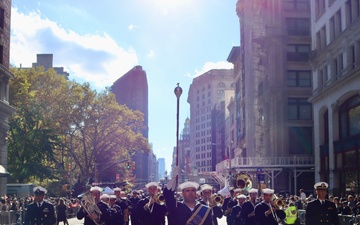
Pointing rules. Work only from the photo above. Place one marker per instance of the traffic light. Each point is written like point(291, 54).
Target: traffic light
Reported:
point(133, 165)
point(128, 166)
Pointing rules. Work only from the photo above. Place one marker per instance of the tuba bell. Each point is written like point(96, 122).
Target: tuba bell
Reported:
point(243, 181)
point(89, 205)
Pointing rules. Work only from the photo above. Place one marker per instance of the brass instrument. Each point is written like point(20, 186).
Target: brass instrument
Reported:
point(243, 181)
point(279, 203)
point(217, 199)
point(160, 199)
point(89, 205)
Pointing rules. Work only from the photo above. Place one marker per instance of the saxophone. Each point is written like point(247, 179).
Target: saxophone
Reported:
point(89, 205)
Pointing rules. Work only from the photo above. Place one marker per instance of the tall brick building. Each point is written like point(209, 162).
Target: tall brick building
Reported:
point(5, 109)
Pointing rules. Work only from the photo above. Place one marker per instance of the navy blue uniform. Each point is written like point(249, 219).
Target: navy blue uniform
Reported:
point(43, 215)
point(105, 216)
point(235, 216)
point(263, 219)
point(182, 212)
point(155, 215)
point(318, 214)
point(247, 208)
point(216, 212)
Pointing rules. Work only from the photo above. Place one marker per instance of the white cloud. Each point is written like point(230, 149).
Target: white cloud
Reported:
point(96, 58)
point(209, 66)
point(132, 27)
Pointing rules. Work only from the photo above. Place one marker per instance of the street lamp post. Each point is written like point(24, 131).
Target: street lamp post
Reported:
point(178, 92)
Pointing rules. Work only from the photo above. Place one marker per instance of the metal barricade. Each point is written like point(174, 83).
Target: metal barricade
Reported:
point(9, 217)
point(343, 219)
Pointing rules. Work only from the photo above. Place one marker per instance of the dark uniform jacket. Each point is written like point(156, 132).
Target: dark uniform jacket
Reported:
point(260, 210)
point(182, 212)
point(230, 204)
point(43, 215)
point(117, 217)
point(105, 217)
point(318, 214)
point(155, 215)
point(248, 208)
point(235, 216)
point(134, 214)
point(216, 212)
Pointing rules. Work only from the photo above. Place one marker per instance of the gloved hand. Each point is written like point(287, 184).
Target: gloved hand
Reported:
point(171, 185)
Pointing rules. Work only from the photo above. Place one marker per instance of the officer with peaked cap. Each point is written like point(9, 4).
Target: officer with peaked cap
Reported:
point(189, 211)
point(151, 210)
point(321, 211)
point(265, 212)
point(40, 212)
point(92, 217)
point(248, 208)
point(206, 194)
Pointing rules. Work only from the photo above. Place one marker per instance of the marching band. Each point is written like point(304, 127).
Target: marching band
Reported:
point(240, 206)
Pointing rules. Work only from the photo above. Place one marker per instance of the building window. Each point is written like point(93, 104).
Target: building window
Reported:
point(296, 4)
point(349, 120)
point(2, 18)
point(298, 52)
point(301, 140)
point(298, 78)
point(221, 85)
point(319, 8)
point(298, 26)
point(299, 109)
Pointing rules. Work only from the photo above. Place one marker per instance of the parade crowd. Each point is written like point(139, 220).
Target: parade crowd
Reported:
point(193, 205)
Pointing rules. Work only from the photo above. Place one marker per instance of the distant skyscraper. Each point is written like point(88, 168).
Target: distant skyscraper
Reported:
point(208, 94)
point(131, 90)
point(46, 60)
point(5, 109)
point(161, 163)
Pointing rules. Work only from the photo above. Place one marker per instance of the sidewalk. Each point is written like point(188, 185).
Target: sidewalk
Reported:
point(74, 221)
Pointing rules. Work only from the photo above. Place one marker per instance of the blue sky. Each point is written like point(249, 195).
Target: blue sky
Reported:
point(98, 41)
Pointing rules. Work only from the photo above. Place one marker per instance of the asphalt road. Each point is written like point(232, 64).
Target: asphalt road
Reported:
point(75, 221)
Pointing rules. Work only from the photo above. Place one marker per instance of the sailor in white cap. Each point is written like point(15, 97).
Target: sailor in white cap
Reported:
point(248, 208)
point(207, 199)
point(189, 211)
point(235, 216)
point(105, 198)
point(122, 201)
point(229, 202)
point(321, 210)
point(133, 205)
point(40, 212)
point(152, 209)
point(266, 212)
point(91, 216)
point(116, 212)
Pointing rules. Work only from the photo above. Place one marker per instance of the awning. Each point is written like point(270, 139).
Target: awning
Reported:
point(3, 172)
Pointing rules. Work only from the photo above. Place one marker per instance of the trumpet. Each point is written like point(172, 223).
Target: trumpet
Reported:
point(217, 199)
point(89, 205)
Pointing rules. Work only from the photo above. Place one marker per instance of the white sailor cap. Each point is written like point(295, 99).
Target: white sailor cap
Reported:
point(253, 190)
point(268, 191)
point(237, 190)
point(117, 189)
point(104, 196)
point(112, 196)
point(152, 184)
point(39, 190)
point(241, 196)
point(206, 187)
point(321, 186)
point(188, 184)
point(96, 188)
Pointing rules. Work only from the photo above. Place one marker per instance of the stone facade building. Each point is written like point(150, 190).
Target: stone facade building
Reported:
point(5, 109)
point(335, 62)
point(273, 83)
point(208, 96)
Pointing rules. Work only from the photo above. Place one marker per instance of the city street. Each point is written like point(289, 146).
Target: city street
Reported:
point(75, 221)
